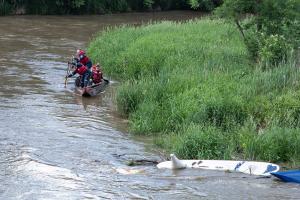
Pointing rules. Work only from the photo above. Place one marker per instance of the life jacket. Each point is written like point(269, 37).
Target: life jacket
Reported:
point(81, 70)
point(85, 61)
point(97, 74)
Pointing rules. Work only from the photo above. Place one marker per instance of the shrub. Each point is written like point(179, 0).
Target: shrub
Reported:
point(273, 50)
point(277, 20)
point(206, 5)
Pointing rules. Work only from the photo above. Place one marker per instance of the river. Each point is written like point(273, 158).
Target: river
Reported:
point(57, 145)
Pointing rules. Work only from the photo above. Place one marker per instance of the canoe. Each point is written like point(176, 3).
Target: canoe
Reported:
point(92, 90)
point(288, 176)
point(248, 167)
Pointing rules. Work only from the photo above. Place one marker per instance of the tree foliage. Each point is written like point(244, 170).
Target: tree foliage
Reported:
point(270, 28)
point(207, 5)
point(101, 6)
point(87, 6)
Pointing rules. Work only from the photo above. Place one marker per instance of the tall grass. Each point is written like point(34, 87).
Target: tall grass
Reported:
point(192, 85)
point(276, 144)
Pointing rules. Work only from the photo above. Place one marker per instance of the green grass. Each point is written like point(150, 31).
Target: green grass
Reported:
point(193, 87)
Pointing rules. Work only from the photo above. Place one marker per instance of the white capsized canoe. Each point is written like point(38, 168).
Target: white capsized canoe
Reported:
point(248, 167)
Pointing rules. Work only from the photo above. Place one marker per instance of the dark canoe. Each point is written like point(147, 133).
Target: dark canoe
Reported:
point(288, 176)
point(93, 90)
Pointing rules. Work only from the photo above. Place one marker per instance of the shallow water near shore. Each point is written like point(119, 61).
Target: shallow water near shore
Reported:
point(57, 145)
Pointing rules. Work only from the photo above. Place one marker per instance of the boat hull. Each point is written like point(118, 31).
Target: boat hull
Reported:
point(288, 176)
point(93, 90)
point(247, 167)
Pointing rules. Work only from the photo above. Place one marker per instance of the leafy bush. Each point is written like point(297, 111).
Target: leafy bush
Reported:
point(273, 50)
point(272, 32)
point(202, 4)
point(253, 43)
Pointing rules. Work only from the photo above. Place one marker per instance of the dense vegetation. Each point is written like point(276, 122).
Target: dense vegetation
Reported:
point(271, 30)
point(210, 88)
point(98, 6)
point(193, 86)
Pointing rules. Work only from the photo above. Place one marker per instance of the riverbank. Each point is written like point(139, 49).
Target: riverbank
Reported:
point(193, 87)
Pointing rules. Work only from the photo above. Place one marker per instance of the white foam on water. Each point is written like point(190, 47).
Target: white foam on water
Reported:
point(53, 176)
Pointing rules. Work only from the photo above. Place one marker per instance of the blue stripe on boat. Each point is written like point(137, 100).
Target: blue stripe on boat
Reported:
point(270, 168)
point(239, 165)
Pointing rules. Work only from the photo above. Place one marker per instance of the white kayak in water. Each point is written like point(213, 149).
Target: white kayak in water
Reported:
point(248, 167)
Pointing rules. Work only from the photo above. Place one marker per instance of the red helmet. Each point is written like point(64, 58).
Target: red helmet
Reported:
point(80, 52)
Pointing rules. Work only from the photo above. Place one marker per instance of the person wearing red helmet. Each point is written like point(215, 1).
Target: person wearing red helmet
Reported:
point(97, 75)
point(83, 59)
point(83, 71)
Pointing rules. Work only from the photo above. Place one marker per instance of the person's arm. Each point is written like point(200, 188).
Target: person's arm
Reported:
point(73, 73)
point(70, 75)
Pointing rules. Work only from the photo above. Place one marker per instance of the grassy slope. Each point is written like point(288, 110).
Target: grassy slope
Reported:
point(193, 87)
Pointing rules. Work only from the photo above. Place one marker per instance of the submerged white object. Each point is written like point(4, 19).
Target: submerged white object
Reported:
point(128, 171)
point(248, 167)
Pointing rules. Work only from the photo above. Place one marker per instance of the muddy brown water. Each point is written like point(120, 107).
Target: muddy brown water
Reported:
point(57, 145)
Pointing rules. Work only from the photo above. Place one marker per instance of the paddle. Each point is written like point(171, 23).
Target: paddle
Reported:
point(68, 72)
